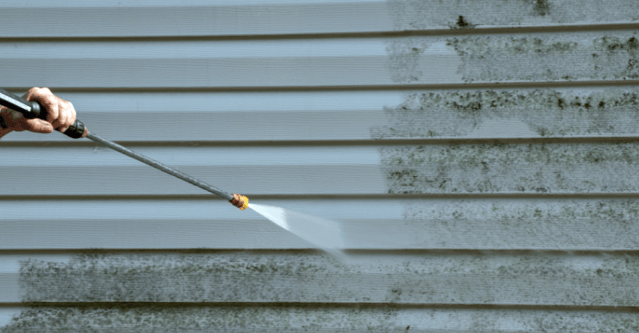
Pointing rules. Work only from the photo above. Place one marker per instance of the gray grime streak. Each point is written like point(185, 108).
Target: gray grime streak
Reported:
point(437, 14)
point(549, 113)
point(404, 56)
point(508, 168)
point(554, 57)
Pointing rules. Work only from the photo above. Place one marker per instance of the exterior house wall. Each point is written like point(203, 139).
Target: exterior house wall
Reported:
point(480, 156)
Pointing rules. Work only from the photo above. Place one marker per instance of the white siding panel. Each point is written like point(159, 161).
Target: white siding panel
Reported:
point(224, 18)
point(404, 224)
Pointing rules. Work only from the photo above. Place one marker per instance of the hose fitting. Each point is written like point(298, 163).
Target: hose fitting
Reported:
point(239, 201)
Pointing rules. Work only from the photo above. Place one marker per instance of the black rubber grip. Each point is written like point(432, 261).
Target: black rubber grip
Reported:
point(33, 109)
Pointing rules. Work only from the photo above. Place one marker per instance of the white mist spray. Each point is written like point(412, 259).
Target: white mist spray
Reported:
point(324, 234)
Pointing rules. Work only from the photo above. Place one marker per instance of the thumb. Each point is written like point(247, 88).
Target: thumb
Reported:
point(38, 126)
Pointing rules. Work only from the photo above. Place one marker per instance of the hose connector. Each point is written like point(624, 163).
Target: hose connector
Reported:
point(239, 201)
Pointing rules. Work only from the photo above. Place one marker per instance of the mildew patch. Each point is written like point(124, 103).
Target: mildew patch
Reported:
point(548, 113)
point(415, 279)
point(565, 57)
point(436, 14)
point(508, 168)
point(526, 224)
point(231, 277)
point(404, 56)
point(168, 318)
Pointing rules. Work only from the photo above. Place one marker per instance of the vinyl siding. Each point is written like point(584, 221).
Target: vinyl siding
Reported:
point(480, 156)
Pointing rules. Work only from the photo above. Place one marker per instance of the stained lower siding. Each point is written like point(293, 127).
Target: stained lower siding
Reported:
point(484, 180)
point(311, 318)
point(392, 277)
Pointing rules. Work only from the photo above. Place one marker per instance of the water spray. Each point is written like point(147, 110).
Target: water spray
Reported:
point(33, 109)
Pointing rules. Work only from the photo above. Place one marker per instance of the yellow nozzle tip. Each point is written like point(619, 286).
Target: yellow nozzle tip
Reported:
point(240, 201)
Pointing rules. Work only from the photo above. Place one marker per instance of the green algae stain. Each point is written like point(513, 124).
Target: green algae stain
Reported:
point(549, 113)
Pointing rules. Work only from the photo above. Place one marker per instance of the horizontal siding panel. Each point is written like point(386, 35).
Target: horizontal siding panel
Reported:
point(237, 277)
point(202, 18)
point(302, 318)
point(560, 168)
point(355, 115)
point(340, 62)
point(402, 223)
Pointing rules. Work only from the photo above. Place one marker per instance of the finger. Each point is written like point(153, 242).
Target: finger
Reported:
point(37, 126)
point(63, 119)
point(50, 102)
point(67, 110)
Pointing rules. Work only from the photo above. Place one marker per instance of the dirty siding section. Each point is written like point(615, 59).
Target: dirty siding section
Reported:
point(498, 194)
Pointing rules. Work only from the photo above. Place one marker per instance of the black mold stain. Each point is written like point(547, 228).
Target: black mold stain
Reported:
point(547, 112)
point(541, 7)
point(462, 24)
point(620, 49)
point(495, 58)
point(512, 168)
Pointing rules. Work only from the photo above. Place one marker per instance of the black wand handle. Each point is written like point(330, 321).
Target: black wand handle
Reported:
point(33, 109)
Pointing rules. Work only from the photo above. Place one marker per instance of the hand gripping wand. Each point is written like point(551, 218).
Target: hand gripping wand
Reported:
point(33, 109)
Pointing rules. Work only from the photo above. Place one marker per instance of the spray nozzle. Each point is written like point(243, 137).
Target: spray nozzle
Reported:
point(240, 201)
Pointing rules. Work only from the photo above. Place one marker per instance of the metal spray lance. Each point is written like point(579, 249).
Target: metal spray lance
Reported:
point(33, 109)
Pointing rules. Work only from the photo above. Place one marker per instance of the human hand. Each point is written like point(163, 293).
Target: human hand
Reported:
point(60, 113)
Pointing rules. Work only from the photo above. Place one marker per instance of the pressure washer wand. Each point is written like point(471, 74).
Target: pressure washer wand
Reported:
point(33, 109)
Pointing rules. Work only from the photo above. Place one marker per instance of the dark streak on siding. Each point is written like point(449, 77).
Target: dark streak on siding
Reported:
point(430, 14)
point(549, 113)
